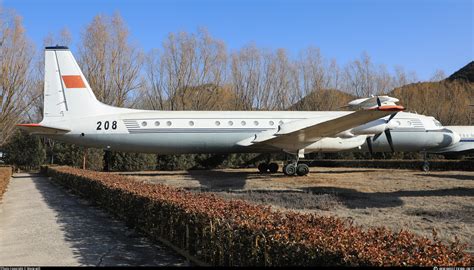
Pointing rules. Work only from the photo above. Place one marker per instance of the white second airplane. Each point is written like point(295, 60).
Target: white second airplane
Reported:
point(73, 114)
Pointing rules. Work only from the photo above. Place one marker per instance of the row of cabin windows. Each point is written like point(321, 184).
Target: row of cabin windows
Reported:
point(217, 123)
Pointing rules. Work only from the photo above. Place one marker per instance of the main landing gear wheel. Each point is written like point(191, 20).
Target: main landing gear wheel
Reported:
point(273, 167)
point(263, 167)
point(289, 169)
point(302, 169)
point(268, 168)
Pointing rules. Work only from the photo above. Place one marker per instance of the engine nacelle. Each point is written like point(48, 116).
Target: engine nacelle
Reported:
point(335, 144)
point(371, 102)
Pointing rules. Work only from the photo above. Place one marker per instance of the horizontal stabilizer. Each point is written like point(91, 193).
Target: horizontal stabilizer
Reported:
point(42, 129)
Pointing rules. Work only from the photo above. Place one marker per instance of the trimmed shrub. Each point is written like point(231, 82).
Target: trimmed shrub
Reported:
point(237, 233)
point(5, 175)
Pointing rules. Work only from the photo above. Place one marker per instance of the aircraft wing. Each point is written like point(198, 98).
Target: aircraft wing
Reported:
point(298, 134)
point(42, 129)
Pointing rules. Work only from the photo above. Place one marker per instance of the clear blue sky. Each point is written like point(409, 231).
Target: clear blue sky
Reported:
point(420, 35)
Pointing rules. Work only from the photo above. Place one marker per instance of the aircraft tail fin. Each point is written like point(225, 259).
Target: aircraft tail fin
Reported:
point(66, 91)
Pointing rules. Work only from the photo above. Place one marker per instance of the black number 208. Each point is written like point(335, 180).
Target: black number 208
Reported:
point(106, 125)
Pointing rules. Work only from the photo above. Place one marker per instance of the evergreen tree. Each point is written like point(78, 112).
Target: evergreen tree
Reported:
point(24, 151)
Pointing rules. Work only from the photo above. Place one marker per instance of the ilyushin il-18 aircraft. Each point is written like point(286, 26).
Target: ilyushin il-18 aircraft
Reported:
point(73, 114)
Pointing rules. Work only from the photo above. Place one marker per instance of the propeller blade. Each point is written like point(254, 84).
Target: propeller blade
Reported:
point(369, 145)
point(376, 136)
point(391, 117)
point(378, 101)
point(389, 139)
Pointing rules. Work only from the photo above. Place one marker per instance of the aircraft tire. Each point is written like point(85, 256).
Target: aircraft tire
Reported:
point(425, 167)
point(302, 169)
point(263, 168)
point(273, 167)
point(289, 169)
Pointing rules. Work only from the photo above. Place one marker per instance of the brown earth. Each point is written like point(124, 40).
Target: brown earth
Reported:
point(399, 199)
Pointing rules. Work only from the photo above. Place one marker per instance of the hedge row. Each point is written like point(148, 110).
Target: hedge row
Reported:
point(435, 165)
point(236, 233)
point(5, 175)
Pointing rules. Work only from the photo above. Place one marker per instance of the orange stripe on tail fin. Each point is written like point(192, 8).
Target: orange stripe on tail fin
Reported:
point(73, 81)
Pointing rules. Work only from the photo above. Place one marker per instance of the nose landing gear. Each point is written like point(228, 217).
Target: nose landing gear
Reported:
point(426, 165)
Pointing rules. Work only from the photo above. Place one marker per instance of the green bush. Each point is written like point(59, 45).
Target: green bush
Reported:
point(24, 151)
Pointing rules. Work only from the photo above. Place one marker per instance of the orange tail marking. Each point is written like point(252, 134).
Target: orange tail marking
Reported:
point(73, 81)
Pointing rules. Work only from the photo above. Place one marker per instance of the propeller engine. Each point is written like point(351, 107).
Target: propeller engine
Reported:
point(387, 133)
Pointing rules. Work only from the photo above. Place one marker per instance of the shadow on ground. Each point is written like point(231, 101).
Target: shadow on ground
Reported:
point(210, 180)
point(354, 199)
point(452, 176)
point(96, 238)
point(343, 171)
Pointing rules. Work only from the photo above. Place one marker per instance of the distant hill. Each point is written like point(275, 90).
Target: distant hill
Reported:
point(447, 100)
point(466, 74)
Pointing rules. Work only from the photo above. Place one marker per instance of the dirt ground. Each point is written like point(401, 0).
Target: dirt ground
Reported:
point(398, 199)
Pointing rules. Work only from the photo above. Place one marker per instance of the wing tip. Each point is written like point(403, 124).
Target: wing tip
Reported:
point(390, 108)
point(28, 125)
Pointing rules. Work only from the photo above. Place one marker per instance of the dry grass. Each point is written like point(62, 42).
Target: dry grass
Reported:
point(398, 199)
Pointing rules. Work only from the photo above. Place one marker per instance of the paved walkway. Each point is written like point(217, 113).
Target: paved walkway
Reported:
point(42, 225)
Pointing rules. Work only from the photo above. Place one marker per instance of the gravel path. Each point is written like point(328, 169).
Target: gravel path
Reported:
point(42, 225)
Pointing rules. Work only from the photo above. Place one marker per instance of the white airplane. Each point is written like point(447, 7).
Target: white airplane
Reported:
point(73, 114)
point(464, 146)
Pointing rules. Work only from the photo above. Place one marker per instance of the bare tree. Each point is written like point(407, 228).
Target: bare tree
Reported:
point(383, 80)
point(109, 61)
point(16, 54)
point(188, 73)
point(245, 74)
point(262, 79)
point(438, 75)
point(313, 79)
point(359, 76)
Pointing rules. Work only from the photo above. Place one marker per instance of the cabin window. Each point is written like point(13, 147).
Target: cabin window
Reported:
point(168, 123)
point(191, 123)
point(144, 123)
point(157, 123)
point(231, 123)
point(243, 123)
point(280, 123)
point(271, 123)
point(255, 123)
point(218, 123)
